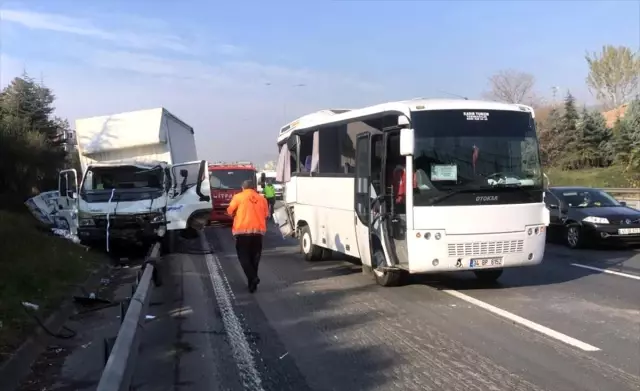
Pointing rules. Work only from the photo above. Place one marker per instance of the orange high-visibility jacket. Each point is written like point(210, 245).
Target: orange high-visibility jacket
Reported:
point(250, 212)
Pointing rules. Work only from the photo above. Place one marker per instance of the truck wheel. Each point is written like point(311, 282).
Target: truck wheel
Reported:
point(491, 275)
point(385, 277)
point(310, 251)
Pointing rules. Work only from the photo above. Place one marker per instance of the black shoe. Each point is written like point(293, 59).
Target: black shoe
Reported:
point(253, 285)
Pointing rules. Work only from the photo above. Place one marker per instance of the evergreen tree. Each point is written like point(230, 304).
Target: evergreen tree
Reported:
point(631, 126)
point(24, 98)
point(550, 135)
point(570, 139)
point(594, 135)
point(30, 140)
point(621, 140)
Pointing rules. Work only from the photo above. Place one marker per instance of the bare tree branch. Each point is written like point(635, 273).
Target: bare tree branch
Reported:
point(614, 75)
point(512, 86)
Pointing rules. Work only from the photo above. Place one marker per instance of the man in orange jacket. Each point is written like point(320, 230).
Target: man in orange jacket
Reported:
point(250, 212)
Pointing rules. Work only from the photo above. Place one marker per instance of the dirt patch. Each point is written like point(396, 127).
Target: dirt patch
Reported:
point(57, 368)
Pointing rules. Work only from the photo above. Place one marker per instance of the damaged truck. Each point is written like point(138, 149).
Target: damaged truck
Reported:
point(141, 180)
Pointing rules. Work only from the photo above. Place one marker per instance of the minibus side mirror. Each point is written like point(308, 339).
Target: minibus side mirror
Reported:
point(407, 143)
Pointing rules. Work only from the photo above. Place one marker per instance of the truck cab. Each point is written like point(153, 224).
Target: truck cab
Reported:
point(226, 180)
point(135, 201)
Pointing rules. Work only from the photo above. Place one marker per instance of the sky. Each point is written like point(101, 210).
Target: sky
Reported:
point(238, 71)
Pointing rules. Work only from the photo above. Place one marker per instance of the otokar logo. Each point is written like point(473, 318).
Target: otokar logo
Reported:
point(486, 198)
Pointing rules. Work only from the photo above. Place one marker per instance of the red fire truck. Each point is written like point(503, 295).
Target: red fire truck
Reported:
point(226, 180)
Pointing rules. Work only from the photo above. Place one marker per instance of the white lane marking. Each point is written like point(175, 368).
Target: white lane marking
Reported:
point(635, 277)
point(232, 326)
point(524, 322)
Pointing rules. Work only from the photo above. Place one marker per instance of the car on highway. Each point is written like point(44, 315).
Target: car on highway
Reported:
point(585, 215)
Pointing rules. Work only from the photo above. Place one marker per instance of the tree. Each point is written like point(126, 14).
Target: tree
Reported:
point(30, 142)
point(24, 98)
point(595, 136)
point(512, 86)
point(631, 128)
point(569, 138)
point(614, 75)
point(549, 134)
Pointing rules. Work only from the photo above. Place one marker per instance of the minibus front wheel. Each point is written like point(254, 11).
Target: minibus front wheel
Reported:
point(383, 275)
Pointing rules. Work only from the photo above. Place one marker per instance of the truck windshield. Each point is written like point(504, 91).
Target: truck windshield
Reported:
point(131, 183)
point(122, 177)
point(230, 179)
point(461, 154)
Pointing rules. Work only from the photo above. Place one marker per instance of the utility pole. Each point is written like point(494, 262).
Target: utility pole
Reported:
point(284, 106)
point(554, 92)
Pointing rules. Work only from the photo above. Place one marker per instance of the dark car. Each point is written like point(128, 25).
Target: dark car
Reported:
point(583, 215)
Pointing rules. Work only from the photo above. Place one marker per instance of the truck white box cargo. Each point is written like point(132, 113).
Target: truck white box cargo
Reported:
point(145, 135)
point(140, 176)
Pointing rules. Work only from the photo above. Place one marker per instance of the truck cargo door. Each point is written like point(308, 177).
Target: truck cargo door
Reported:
point(66, 216)
point(189, 199)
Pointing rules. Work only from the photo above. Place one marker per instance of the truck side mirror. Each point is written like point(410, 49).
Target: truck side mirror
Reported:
point(184, 173)
point(201, 178)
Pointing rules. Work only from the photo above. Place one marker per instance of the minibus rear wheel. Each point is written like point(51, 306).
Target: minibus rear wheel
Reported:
point(310, 251)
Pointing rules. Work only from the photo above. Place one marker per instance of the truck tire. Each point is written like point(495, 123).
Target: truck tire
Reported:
point(310, 251)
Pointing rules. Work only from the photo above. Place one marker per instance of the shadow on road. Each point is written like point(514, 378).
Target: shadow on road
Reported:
point(615, 258)
point(318, 343)
point(555, 268)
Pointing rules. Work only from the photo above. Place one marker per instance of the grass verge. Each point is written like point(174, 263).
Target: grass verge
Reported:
point(37, 267)
point(612, 177)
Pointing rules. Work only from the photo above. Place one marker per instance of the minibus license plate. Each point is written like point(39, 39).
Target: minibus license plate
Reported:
point(485, 262)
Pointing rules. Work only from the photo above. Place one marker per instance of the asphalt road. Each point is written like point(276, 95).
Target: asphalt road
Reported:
point(326, 326)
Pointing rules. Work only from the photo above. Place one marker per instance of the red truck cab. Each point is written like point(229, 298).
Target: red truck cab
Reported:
point(226, 180)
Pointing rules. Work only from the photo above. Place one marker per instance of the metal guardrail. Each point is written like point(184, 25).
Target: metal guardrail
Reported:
point(622, 190)
point(119, 368)
point(631, 196)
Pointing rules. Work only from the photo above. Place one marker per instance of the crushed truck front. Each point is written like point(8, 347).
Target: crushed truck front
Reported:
point(122, 202)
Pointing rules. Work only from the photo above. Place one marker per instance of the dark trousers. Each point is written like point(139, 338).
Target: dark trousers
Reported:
point(249, 250)
point(272, 204)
